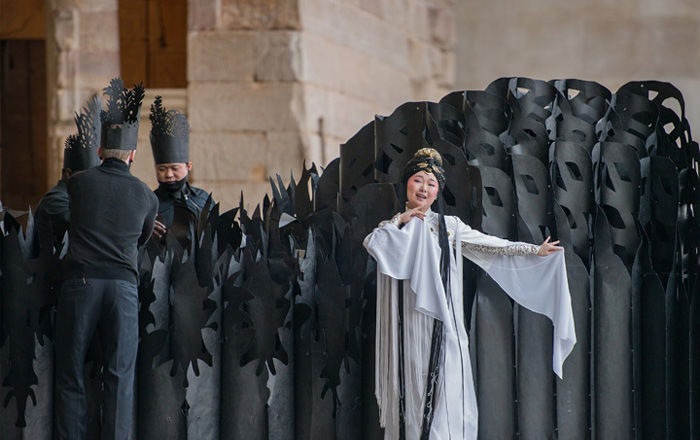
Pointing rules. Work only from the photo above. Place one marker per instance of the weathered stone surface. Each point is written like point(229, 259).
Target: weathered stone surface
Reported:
point(98, 67)
point(285, 153)
point(324, 148)
point(277, 56)
point(243, 106)
point(373, 7)
point(260, 14)
point(329, 65)
point(95, 5)
point(65, 103)
point(221, 56)
point(442, 26)
point(99, 30)
point(229, 156)
point(442, 67)
point(341, 114)
point(418, 22)
point(201, 15)
point(66, 65)
point(142, 167)
point(65, 29)
point(348, 26)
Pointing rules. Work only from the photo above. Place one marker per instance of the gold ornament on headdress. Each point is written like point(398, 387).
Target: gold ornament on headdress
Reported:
point(429, 153)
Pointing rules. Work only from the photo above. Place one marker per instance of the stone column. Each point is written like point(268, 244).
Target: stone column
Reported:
point(274, 82)
point(244, 95)
point(82, 50)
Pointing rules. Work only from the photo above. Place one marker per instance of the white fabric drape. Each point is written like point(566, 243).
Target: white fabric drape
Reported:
point(411, 255)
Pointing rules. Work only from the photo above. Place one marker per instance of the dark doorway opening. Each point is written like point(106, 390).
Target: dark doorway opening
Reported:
point(23, 125)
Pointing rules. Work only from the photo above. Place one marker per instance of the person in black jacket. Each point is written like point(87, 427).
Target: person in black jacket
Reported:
point(111, 214)
point(79, 154)
point(170, 137)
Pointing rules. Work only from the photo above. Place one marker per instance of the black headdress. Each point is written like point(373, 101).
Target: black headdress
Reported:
point(170, 134)
point(120, 122)
point(80, 152)
point(428, 160)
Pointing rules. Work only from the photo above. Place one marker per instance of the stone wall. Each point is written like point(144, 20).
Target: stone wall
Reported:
point(366, 57)
point(270, 83)
point(82, 45)
point(599, 40)
point(274, 82)
point(243, 95)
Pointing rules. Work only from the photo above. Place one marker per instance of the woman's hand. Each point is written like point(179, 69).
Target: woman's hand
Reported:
point(548, 248)
point(410, 213)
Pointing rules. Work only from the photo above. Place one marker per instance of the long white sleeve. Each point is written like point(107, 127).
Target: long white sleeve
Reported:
point(537, 283)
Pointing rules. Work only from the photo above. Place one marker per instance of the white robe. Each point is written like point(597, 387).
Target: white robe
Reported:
point(412, 255)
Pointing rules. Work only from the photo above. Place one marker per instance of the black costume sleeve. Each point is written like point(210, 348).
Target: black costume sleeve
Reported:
point(150, 218)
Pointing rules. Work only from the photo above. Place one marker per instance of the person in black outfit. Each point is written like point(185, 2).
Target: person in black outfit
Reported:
point(170, 137)
point(111, 214)
point(79, 154)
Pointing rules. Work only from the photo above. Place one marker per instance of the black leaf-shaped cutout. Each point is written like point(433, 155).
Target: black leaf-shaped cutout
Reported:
point(492, 193)
point(530, 184)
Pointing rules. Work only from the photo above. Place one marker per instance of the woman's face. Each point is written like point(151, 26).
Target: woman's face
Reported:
point(421, 190)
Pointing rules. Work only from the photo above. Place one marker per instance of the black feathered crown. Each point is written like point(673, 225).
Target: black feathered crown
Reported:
point(170, 134)
point(80, 152)
point(120, 122)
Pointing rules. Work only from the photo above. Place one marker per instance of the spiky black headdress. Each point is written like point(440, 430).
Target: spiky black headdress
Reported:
point(170, 134)
point(80, 152)
point(120, 122)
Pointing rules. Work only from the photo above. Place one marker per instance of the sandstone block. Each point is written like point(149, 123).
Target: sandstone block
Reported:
point(142, 167)
point(342, 114)
point(231, 107)
point(65, 104)
point(64, 27)
point(335, 67)
point(345, 25)
point(260, 14)
point(221, 56)
point(373, 7)
point(62, 4)
point(66, 65)
point(229, 156)
point(442, 67)
point(97, 68)
point(441, 22)
point(201, 15)
point(99, 31)
point(418, 23)
point(285, 154)
point(96, 5)
point(277, 56)
point(326, 147)
point(677, 38)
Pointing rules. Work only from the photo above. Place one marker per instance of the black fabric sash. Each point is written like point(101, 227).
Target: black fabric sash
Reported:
point(433, 377)
point(402, 379)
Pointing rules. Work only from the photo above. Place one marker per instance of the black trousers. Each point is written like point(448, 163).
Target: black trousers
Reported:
point(110, 308)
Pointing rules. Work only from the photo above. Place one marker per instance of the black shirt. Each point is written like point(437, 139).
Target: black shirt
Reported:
point(111, 214)
point(52, 213)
